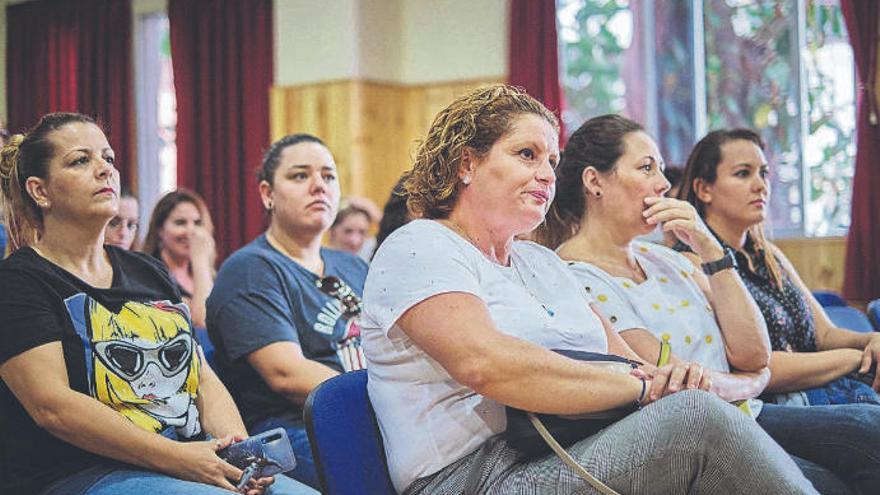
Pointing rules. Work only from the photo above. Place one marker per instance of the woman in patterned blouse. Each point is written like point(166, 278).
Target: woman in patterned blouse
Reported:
point(813, 362)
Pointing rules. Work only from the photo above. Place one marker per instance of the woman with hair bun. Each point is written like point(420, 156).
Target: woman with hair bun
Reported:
point(104, 389)
point(285, 311)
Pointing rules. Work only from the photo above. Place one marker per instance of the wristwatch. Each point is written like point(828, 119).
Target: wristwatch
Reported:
point(727, 261)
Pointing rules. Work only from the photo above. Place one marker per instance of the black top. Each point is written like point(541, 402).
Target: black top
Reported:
point(787, 311)
point(129, 346)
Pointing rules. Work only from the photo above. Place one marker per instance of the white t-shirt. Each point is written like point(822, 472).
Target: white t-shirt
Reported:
point(668, 303)
point(428, 420)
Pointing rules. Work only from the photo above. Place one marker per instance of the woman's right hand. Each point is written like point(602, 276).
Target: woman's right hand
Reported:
point(201, 246)
point(199, 462)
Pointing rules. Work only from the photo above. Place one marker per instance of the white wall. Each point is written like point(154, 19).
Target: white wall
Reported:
point(314, 41)
point(404, 41)
point(449, 40)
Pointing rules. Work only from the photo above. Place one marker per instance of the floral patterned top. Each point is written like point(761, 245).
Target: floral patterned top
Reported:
point(787, 312)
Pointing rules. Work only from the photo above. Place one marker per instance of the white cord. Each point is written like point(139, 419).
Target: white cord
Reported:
point(568, 459)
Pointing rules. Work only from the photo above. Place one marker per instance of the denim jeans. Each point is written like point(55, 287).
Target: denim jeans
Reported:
point(842, 391)
point(844, 439)
point(299, 440)
point(119, 479)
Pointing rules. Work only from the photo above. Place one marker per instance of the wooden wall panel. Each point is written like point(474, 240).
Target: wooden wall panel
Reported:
point(320, 109)
point(372, 128)
point(819, 261)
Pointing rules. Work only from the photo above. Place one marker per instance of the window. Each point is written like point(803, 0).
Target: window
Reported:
point(683, 67)
point(156, 105)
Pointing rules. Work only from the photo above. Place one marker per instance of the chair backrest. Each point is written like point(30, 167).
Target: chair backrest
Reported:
point(346, 442)
point(874, 313)
point(829, 298)
point(850, 318)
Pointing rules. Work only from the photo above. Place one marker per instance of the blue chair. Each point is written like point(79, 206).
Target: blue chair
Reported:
point(828, 298)
point(207, 346)
point(874, 313)
point(346, 443)
point(850, 318)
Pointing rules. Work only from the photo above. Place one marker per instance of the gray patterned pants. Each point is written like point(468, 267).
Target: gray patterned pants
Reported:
point(689, 442)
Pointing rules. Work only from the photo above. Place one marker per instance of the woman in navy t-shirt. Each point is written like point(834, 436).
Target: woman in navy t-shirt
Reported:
point(284, 311)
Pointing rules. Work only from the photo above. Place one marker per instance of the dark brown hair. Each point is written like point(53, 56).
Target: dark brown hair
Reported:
point(598, 143)
point(474, 121)
point(23, 156)
point(160, 214)
point(703, 163)
point(272, 157)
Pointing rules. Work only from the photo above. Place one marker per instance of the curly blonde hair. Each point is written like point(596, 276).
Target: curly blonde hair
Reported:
point(474, 121)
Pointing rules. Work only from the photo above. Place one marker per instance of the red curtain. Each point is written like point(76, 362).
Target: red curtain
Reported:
point(862, 273)
point(73, 56)
point(222, 56)
point(534, 53)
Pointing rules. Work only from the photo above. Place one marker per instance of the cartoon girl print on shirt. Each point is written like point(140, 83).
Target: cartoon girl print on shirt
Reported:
point(142, 362)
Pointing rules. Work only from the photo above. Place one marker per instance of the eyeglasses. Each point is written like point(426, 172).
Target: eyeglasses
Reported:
point(130, 361)
point(336, 288)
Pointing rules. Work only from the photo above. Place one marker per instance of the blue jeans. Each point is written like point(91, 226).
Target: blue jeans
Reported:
point(299, 440)
point(842, 391)
point(844, 439)
point(120, 479)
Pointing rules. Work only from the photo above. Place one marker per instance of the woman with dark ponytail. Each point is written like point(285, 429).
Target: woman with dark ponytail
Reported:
point(104, 390)
point(814, 361)
point(611, 191)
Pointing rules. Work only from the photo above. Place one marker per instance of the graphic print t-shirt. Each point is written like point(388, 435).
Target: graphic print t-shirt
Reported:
point(130, 347)
point(260, 297)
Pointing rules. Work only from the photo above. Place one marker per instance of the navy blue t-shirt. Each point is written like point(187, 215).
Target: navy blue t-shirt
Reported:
point(261, 296)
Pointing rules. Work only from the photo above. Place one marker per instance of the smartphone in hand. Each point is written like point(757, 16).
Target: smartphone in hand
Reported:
point(266, 454)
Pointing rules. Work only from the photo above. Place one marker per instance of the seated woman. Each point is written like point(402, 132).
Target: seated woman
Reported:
point(181, 235)
point(103, 387)
point(122, 229)
point(284, 311)
point(351, 228)
point(611, 189)
point(460, 317)
point(813, 360)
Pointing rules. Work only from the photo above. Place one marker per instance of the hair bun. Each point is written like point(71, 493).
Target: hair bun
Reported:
point(9, 156)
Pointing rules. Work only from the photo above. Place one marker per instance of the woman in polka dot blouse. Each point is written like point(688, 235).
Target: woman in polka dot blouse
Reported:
point(813, 361)
point(610, 191)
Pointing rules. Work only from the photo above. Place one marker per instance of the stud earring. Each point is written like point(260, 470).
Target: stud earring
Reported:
point(466, 179)
point(598, 194)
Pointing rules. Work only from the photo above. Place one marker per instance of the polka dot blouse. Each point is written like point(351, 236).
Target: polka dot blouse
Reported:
point(787, 310)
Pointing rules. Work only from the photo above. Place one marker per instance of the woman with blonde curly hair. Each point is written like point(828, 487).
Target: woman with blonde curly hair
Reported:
point(103, 387)
point(459, 320)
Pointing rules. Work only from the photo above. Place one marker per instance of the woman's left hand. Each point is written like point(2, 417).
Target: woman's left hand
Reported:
point(256, 486)
point(870, 358)
point(680, 218)
point(675, 377)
